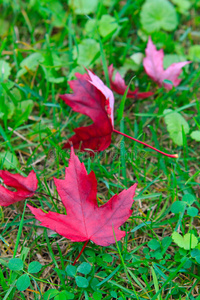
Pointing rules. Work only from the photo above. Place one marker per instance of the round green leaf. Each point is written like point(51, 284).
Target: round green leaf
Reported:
point(94, 283)
point(113, 294)
point(154, 244)
point(87, 51)
point(183, 6)
point(158, 255)
point(83, 7)
point(178, 207)
point(34, 267)
point(107, 257)
point(158, 14)
point(187, 264)
point(84, 268)
point(8, 160)
point(82, 282)
point(188, 198)
point(195, 252)
point(175, 124)
point(166, 241)
point(31, 62)
point(97, 296)
point(15, 264)
point(192, 211)
point(188, 241)
point(194, 53)
point(70, 270)
point(198, 259)
point(64, 295)
point(50, 294)
point(195, 135)
point(107, 25)
point(4, 70)
point(23, 282)
point(178, 239)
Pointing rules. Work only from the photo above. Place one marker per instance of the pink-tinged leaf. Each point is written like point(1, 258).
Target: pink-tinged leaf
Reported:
point(85, 220)
point(118, 85)
point(92, 98)
point(153, 65)
point(25, 186)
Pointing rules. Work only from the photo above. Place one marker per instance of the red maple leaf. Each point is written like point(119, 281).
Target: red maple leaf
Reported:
point(118, 85)
point(153, 65)
point(25, 186)
point(85, 220)
point(92, 98)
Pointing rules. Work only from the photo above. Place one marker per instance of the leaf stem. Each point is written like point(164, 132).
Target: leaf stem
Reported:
point(85, 244)
point(169, 155)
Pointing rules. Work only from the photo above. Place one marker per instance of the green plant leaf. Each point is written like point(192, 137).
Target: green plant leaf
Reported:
point(154, 244)
point(23, 282)
point(195, 252)
point(182, 6)
point(87, 50)
point(34, 267)
point(83, 7)
point(192, 211)
point(15, 264)
point(31, 62)
point(195, 135)
point(178, 207)
point(188, 241)
point(97, 296)
point(82, 282)
point(107, 25)
point(64, 295)
point(8, 160)
point(188, 198)
point(194, 53)
point(4, 70)
point(158, 14)
point(84, 268)
point(175, 123)
point(70, 270)
point(48, 295)
point(107, 257)
point(22, 112)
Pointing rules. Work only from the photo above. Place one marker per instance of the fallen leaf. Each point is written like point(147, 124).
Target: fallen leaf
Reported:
point(153, 65)
point(118, 85)
point(85, 220)
point(25, 186)
point(92, 98)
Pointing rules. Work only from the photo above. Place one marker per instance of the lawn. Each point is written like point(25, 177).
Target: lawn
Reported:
point(128, 70)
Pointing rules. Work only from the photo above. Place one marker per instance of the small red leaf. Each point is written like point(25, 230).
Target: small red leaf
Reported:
point(118, 85)
point(25, 186)
point(153, 65)
point(85, 220)
point(92, 98)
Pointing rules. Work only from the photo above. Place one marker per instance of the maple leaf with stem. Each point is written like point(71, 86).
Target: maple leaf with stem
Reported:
point(85, 220)
point(25, 186)
point(93, 98)
point(153, 65)
point(118, 85)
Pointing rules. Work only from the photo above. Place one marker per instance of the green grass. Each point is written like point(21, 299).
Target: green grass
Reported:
point(147, 263)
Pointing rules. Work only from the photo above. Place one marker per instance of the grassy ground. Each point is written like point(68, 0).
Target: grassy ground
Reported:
point(147, 263)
